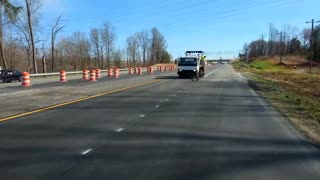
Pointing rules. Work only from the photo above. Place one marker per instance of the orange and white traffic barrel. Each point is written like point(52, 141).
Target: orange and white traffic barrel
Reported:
point(85, 75)
point(135, 70)
point(130, 71)
point(110, 72)
point(116, 73)
point(98, 73)
point(151, 70)
point(26, 79)
point(93, 75)
point(161, 68)
point(140, 71)
point(63, 76)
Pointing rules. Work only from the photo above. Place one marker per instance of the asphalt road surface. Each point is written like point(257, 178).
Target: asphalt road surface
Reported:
point(39, 84)
point(175, 129)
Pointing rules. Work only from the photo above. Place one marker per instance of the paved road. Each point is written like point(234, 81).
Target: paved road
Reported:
point(75, 81)
point(217, 128)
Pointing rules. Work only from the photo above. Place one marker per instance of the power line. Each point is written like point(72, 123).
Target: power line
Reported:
point(208, 18)
point(226, 14)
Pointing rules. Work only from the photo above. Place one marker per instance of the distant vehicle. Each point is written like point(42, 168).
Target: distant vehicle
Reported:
point(10, 75)
point(193, 63)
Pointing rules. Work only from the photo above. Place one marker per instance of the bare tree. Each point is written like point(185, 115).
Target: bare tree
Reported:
point(305, 36)
point(273, 34)
point(133, 49)
point(144, 40)
point(25, 41)
point(30, 3)
point(158, 45)
point(54, 32)
point(95, 40)
point(82, 48)
point(117, 56)
point(8, 12)
point(67, 55)
point(108, 38)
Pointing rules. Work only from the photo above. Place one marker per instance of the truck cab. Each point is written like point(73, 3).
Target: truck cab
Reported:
point(191, 64)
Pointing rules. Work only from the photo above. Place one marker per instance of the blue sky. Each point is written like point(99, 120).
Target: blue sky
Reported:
point(209, 25)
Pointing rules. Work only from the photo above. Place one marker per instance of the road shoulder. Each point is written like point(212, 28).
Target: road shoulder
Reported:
point(286, 103)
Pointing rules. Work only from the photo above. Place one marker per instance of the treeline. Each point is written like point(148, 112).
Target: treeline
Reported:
point(23, 47)
point(286, 41)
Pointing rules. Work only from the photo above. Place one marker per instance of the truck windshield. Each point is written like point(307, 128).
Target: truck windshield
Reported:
point(187, 62)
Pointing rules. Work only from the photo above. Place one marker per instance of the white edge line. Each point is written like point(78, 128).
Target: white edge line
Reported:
point(214, 71)
point(86, 151)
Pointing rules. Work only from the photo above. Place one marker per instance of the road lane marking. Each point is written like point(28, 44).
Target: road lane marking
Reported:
point(166, 99)
point(213, 72)
point(157, 106)
point(86, 151)
point(75, 101)
point(142, 115)
point(120, 129)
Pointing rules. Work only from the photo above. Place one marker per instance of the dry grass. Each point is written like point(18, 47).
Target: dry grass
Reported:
point(292, 91)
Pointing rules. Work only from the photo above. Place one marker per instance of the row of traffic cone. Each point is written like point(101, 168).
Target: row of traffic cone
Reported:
point(92, 75)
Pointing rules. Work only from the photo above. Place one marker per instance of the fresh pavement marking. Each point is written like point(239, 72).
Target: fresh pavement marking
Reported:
point(157, 106)
point(74, 101)
point(213, 72)
point(120, 129)
point(142, 115)
point(86, 151)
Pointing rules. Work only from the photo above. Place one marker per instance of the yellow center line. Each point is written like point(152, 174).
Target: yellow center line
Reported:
point(74, 101)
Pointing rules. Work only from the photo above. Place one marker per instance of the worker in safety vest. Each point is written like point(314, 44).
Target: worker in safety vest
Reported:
point(202, 60)
point(202, 64)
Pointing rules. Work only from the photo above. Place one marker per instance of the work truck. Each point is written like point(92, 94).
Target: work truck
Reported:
point(191, 64)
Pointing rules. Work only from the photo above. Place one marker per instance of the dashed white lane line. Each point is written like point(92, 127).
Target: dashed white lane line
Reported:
point(157, 106)
point(214, 71)
point(120, 129)
point(86, 151)
point(166, 99)
point(142, 115)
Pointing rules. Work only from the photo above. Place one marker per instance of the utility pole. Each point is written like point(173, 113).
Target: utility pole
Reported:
point(282, 44)
point(312, 42)
point(262, 45)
